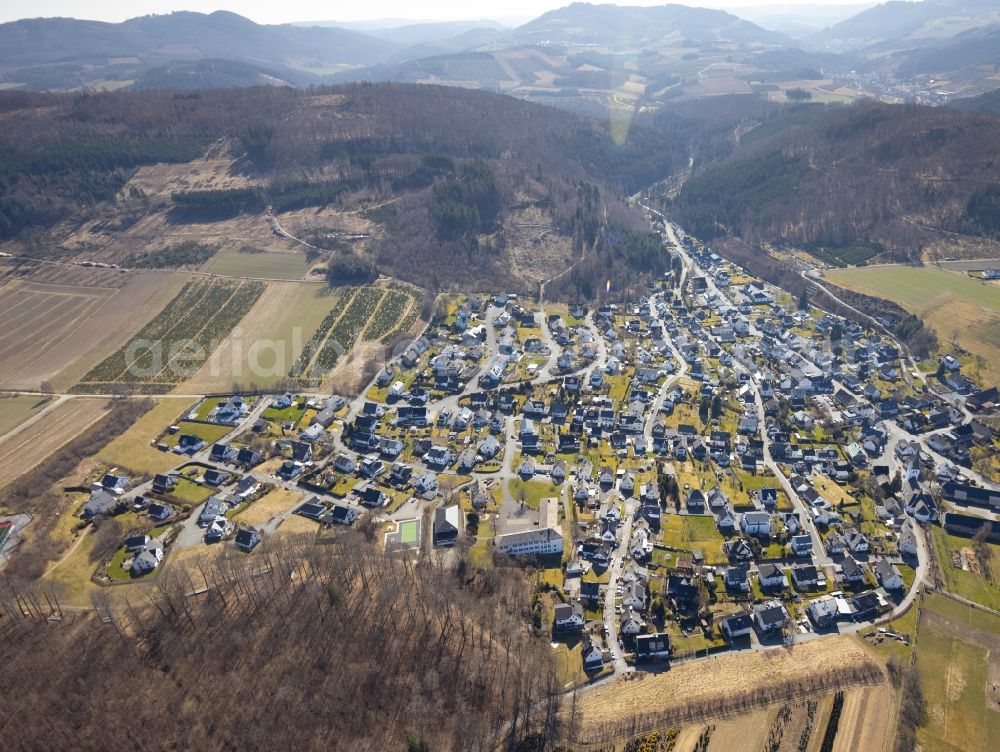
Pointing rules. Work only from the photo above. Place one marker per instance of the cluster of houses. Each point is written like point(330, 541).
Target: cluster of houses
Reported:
point(214, 517)
point(828, 401)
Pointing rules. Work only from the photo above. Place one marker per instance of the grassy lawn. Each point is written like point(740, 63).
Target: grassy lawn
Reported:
point(908, 574)
point(686, 644)
point(664, 559)
point(618, 386)
point(15, 409)
point(953, 676)
point(343, 486)
point(297, 524)
point(133, 450)
point(603, 577)
point(965, 583)
point(191, 492)
point(207, 405)
point(691, 533)
point(534, 491)
point(116, 570)
point(207, 432)
point(552, 576)
point(290, 414)
point(481, 553)
point(569, 664)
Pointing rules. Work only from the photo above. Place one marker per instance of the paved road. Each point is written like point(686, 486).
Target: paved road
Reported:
point(819, 553)
point(615, 569)
point(10, 541)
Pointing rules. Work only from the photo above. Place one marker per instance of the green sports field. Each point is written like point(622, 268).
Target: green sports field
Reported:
point(409, 532)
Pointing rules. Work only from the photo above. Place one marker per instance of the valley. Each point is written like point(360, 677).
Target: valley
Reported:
point(395, 408)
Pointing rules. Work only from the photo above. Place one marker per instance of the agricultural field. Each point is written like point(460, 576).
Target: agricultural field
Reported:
point(265, 265)
point(22, 451)
point(270, 338)
point(864, 723)
point(178, 341)
point(397, 311)
point(954, 305)
point(917, 288)
point(58, 317)
point(362, 314)
point(714, 682)
point(958, 665)
point(38, 318)
point(17, 408)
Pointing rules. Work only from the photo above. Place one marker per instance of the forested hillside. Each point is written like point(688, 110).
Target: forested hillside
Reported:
point(448, 166)
point(851, 183)
point(302, 647)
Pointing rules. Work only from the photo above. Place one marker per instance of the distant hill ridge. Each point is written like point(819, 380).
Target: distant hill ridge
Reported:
point(183, 35)
point(583, 22)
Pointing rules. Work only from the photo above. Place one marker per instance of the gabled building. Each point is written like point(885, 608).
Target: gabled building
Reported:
point(770, 617)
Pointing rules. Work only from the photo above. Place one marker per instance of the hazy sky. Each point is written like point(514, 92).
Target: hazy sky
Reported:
point(268, 11)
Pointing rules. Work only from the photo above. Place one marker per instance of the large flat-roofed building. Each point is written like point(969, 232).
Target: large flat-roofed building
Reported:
point(549, 513)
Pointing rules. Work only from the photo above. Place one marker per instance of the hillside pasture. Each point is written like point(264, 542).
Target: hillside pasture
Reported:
point(134, 450)
point(968, 582)
point(917, 288)
point(957, 307)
